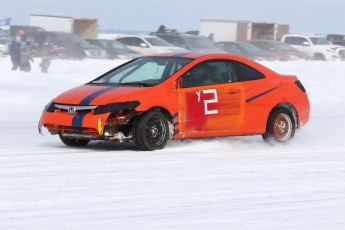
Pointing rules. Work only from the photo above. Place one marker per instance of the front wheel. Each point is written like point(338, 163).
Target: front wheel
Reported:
point(150, 131)
point(281, 126)
point(73, 142)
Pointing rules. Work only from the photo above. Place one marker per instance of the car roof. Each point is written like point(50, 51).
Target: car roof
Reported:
point(231, 42)
point(49, 32)
point(266, 41)
point(136, 35)
point(341, 34)
point(304, 35)
point(101, 39)
point(193, 55)
point(184, 35)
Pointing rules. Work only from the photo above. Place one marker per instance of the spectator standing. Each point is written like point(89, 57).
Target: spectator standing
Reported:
point(211, 37)
point(45, 62)
point(25, 56)
point(14, 51)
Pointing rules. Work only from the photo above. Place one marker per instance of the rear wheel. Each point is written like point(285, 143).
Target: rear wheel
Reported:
point(281, 126)
point(150, 131)
point(73, 142)
point(319, 57)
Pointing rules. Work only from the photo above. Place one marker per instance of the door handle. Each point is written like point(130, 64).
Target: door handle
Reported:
point(233, 91)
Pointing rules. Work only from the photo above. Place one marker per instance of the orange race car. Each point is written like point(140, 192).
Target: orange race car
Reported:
point(151, 99)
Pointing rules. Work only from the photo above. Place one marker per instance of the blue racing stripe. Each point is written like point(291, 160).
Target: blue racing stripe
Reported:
point(88, 99)
point(77, 120)
point(261, 94)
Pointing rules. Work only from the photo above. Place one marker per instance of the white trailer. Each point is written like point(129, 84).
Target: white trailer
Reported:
point(241, 30)
point(84, 27)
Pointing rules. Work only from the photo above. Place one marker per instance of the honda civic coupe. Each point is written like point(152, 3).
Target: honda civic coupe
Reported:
point(151, 99)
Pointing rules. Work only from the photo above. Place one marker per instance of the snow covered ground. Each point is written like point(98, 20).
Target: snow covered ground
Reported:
point(237, 183)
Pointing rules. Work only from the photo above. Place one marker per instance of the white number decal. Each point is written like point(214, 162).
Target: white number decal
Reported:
point(214, 100)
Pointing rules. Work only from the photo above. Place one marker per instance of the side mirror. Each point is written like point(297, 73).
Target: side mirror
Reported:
point(143, 45)
point(306, 44)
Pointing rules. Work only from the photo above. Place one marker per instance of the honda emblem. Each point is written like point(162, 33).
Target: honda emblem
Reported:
point(71, 110)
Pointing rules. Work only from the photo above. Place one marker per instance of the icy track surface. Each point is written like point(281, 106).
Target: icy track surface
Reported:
point(237, 183)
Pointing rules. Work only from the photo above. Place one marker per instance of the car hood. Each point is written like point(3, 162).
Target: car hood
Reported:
point(99, 95)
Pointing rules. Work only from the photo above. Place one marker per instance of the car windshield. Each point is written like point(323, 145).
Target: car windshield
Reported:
point(285, 47)
point(157, 42)
point(71, 38)
point(144, 71)
point(200, 42)
point(319, 41)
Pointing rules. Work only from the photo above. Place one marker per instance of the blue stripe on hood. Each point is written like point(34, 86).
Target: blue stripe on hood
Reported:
point(88, 99)
point(79, 116)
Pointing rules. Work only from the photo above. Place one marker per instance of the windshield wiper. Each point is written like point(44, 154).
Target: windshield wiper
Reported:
point(101, 83)
point(135, 83)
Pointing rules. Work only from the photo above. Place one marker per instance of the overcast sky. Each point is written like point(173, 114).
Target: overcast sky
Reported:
point(312, 16)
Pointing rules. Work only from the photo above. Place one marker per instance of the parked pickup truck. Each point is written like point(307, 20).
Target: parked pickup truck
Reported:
point(317, 47)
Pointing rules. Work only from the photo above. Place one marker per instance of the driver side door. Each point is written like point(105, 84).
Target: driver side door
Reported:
point(210, 99)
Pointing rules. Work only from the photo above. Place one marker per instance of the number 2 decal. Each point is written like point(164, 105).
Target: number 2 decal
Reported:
point(207, 102)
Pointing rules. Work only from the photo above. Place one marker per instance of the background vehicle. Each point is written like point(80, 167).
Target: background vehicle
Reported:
point(190, 42)
point(66, 45)
point(316, 47)
point(115, 49)
point(191, 95)
point(282, 50)
point(247, 50)
point(4, 34)
point(148, 44)
point(337, 39)
point(15, 28)
point(3, 47)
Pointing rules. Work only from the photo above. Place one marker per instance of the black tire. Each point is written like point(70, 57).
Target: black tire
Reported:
point(73, 142)
point(150, 131)
point(319, 57)
point(281, 126)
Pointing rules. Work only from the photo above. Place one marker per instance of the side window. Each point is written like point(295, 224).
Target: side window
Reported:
point(126, 41)
point(289, 40)
point(181, 43)
point(247, 73)
point(52, 39)
point(220, 45)
point(231, 48)
point(137, 42)
point(295, 40)
point(300, 41)
point(209, 73)
point(169, 39)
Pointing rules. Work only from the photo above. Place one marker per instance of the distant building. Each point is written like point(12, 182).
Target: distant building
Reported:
point(84, 27)
point(241, 30)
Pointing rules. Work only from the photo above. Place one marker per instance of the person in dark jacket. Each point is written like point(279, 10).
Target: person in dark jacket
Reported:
point(25, 56)
point(14, 51)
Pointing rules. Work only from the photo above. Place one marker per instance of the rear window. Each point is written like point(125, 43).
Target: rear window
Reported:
point(247, 73)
